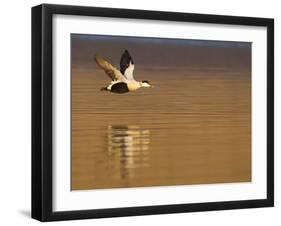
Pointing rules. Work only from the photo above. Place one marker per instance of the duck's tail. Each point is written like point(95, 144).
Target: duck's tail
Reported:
point(104, 89)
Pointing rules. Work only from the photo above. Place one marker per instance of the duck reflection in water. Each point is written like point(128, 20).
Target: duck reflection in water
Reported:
point(128, 150)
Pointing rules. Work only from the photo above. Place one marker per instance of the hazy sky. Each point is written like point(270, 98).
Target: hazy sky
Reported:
point(157, 53)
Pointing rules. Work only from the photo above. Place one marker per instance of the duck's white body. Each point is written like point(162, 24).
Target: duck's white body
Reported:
point(132, 86)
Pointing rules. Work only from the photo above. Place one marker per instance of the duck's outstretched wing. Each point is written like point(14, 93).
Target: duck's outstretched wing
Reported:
point(110, 70)
point(127, 65)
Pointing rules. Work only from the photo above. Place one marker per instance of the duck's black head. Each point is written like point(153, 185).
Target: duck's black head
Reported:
point(145, 83)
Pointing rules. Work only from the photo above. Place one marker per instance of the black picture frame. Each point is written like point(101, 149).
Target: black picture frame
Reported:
point(42, 112)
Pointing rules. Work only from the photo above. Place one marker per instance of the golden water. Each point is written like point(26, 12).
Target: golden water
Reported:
point(193, 127)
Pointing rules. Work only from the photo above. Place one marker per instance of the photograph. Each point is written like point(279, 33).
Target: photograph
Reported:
point(145, 112)
point(148, 111)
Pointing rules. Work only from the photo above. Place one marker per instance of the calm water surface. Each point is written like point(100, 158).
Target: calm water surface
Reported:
point(193, 128)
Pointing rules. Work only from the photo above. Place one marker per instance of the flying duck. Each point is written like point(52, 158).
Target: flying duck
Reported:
point(122, 81)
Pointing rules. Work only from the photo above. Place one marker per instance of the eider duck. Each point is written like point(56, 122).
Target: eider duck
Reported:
point(122, 80)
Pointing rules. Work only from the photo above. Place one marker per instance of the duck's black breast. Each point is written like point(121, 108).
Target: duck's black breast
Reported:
point(120, 87)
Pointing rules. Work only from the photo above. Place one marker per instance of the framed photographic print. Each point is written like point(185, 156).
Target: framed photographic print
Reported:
point(146, 112)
